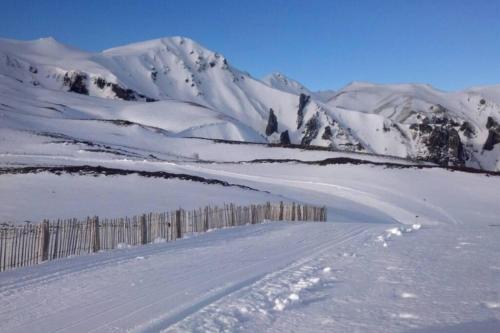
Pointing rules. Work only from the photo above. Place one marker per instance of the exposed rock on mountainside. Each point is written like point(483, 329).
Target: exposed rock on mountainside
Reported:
point(199, 94)
point(303, 100)
point(272, 123)
point(445, 146)
point(76, 82)
point(327, 134)
point(311, 130)
point(493, 134)
point(440, 141)
point(285, 138)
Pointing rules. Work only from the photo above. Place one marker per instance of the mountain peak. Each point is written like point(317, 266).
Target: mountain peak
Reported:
point(282, 82)
point(178, 43)
point(41, 47)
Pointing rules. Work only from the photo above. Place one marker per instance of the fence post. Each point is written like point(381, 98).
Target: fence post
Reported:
point(206, 219)
point(178, 223)
point(142, 225)
point(96, 246)
point(45, 240)
point(281, 211)
point(233, 217)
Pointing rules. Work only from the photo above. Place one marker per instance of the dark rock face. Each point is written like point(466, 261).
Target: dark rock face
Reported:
point(491, 123)
point(440, 135)
point(285, 138)
point(492, 139)
point(100, 82)
point(123, 93)
point(77, 82)
point(467, 129)
point(303, 100)
point(445, 146)
point(493, 134)
point(311, 130)
point(272, 123)
point(327, 134)
point(422, 128)
point(154, 75)
point(120, 92)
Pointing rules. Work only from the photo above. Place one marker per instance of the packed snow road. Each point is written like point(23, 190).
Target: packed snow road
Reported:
point(436, 271)
point(153, 287)
point(279, 276)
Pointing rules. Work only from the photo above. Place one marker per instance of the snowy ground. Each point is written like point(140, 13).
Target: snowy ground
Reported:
point(408, 247)
point(280, 277)
point(405, 249)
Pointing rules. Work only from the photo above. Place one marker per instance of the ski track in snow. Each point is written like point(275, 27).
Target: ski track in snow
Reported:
point(401, 215)
point(272, 277)
point(157, 305)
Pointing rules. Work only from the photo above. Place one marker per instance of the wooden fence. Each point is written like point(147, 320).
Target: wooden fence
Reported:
point(29, 244)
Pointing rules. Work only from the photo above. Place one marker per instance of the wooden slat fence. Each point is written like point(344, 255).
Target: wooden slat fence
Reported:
point(29, 244)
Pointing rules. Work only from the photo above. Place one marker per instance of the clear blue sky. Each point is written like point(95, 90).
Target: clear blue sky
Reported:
point(450, 44)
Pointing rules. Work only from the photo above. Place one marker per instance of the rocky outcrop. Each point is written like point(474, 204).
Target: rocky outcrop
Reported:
point(421, 128)
point(272, 123)
point(467, 129)
point(76, 82)
point(445, 146)
point(303, 100)
point(285, 138)
point(311, 131)
point(439, 140)
point(120, 92)
point(341, 138)
point(493, 134)
point(100, 82)
point(124, 93)
point(327, 134)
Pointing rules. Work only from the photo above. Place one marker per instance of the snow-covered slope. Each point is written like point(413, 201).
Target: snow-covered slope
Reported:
point(396, 255)
point(451, 127)
point(176, 87)
point(282, 82)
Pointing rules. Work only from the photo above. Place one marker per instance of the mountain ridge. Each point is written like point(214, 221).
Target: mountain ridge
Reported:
point(220, 101)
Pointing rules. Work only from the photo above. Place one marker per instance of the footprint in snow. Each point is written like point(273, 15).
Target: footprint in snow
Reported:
point(405, 315)
point(492, 305)
point(407, 295)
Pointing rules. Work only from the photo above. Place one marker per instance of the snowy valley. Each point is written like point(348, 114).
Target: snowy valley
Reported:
point(409, 175)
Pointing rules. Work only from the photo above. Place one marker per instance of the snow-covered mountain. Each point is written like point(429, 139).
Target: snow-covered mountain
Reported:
point(176, 88)
point(460, 128)
point(282, 82)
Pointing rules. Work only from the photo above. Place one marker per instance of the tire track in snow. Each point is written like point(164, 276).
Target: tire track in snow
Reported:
point(52, 271)
point(163, 325)
point(133, 310)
